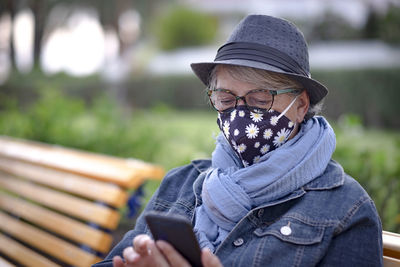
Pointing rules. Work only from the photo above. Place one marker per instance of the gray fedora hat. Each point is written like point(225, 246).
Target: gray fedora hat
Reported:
point(267, 43)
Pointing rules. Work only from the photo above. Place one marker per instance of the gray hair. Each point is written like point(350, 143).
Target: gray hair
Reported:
point(263, 79)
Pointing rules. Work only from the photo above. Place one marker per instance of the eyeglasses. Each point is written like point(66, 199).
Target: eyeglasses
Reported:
point(257, 101)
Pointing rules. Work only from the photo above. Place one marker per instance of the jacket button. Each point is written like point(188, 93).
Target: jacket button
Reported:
point(238, 242)
point(260, 213)
point(286, 230)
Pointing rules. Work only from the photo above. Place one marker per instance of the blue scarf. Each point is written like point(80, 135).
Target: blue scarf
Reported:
point(230, 191)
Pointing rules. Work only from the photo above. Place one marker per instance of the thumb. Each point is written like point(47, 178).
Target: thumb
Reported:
point(209, 259)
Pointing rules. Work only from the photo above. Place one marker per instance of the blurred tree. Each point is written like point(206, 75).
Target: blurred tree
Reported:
point(371, 28)
point(390, 31)
point(332, 27)
point(185, 27)
point(10, 7)
point(40, 9)
point(109, 14)
point(384, 26)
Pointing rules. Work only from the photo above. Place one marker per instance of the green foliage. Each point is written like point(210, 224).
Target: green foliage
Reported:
point(181, 27)
point(373, 158)
point(172, 138)
point(105, 127)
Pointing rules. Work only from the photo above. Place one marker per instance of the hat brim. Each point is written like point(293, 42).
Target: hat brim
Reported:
point(315, 89)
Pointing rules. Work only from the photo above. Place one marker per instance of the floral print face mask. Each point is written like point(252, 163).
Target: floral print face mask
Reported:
point(253, 135)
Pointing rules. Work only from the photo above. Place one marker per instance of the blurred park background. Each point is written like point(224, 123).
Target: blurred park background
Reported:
point(113, 77)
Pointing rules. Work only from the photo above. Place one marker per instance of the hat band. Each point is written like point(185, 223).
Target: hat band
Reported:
point(259, 53)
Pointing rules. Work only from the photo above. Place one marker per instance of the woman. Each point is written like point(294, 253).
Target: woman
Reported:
point(271, 195)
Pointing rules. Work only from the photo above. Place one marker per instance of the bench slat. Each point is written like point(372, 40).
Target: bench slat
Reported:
point(390, 262)
point(126, 173)
point(73, 183)
point(22, 254)
point(60, 224)
point(391, 244)
point(46, 242)
point(3, 262)
point(74, 206)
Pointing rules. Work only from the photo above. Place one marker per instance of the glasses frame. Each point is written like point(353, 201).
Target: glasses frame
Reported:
point(253, 109)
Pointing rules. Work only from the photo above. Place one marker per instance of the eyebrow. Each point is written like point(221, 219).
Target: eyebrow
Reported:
point(255, 89)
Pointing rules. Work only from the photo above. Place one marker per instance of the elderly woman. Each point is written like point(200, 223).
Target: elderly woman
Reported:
point(271, 195)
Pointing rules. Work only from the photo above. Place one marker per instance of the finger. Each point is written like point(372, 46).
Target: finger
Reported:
point(118, 262)
point(157, 256)
point(130, 255)
point(140, 244)
point(209, 259)
point(173, 256)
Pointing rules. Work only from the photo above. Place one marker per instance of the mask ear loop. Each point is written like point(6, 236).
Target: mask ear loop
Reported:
point(288, 107)
point(283, 113)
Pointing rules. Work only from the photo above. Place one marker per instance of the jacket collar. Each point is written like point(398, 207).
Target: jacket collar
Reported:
point(332, 177)
point(201, 165)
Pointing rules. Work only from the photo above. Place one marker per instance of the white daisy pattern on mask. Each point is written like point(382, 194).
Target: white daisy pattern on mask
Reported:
point(281, 137)
point(252, 131)
point(264, 149)
point(245, 163)
point(233, 114)
point(241, 148)
point(274, 120)
point(257, 144)
point(256, 159)
point(256, 117)
point(241, 113)
point(267, 134)
point(226, 128)
point(290, 124)
point(236, 132)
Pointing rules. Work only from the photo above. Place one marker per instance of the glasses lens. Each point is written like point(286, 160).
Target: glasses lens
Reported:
point(222, 100)
point(259, 101)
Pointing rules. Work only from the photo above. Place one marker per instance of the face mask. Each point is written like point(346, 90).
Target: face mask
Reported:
point(253, 135)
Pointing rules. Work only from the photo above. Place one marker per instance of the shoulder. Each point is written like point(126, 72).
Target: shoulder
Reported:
point(341, 197)
point(187, 173)
point(178, 183)
point(360, 206)
point(337, 182)
point(353, 193)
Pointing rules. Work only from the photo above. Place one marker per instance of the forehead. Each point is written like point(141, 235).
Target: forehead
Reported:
point(224, 80)
point(249, 78)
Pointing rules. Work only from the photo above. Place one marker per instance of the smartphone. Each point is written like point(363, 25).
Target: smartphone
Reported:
point(178, 232)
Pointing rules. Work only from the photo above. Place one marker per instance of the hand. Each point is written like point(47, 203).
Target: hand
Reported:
point(142, 253)
point(146, 252)
point(209, 259)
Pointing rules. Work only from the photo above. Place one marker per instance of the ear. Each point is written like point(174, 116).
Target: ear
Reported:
point(303, 103)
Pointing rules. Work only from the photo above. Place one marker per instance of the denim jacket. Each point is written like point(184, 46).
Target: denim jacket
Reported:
point(331, 221)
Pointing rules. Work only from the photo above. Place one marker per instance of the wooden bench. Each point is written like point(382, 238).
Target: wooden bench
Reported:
point(391, 249)
point(59, 205)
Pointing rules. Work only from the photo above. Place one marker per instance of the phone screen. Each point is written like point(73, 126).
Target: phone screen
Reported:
point(178, 232)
